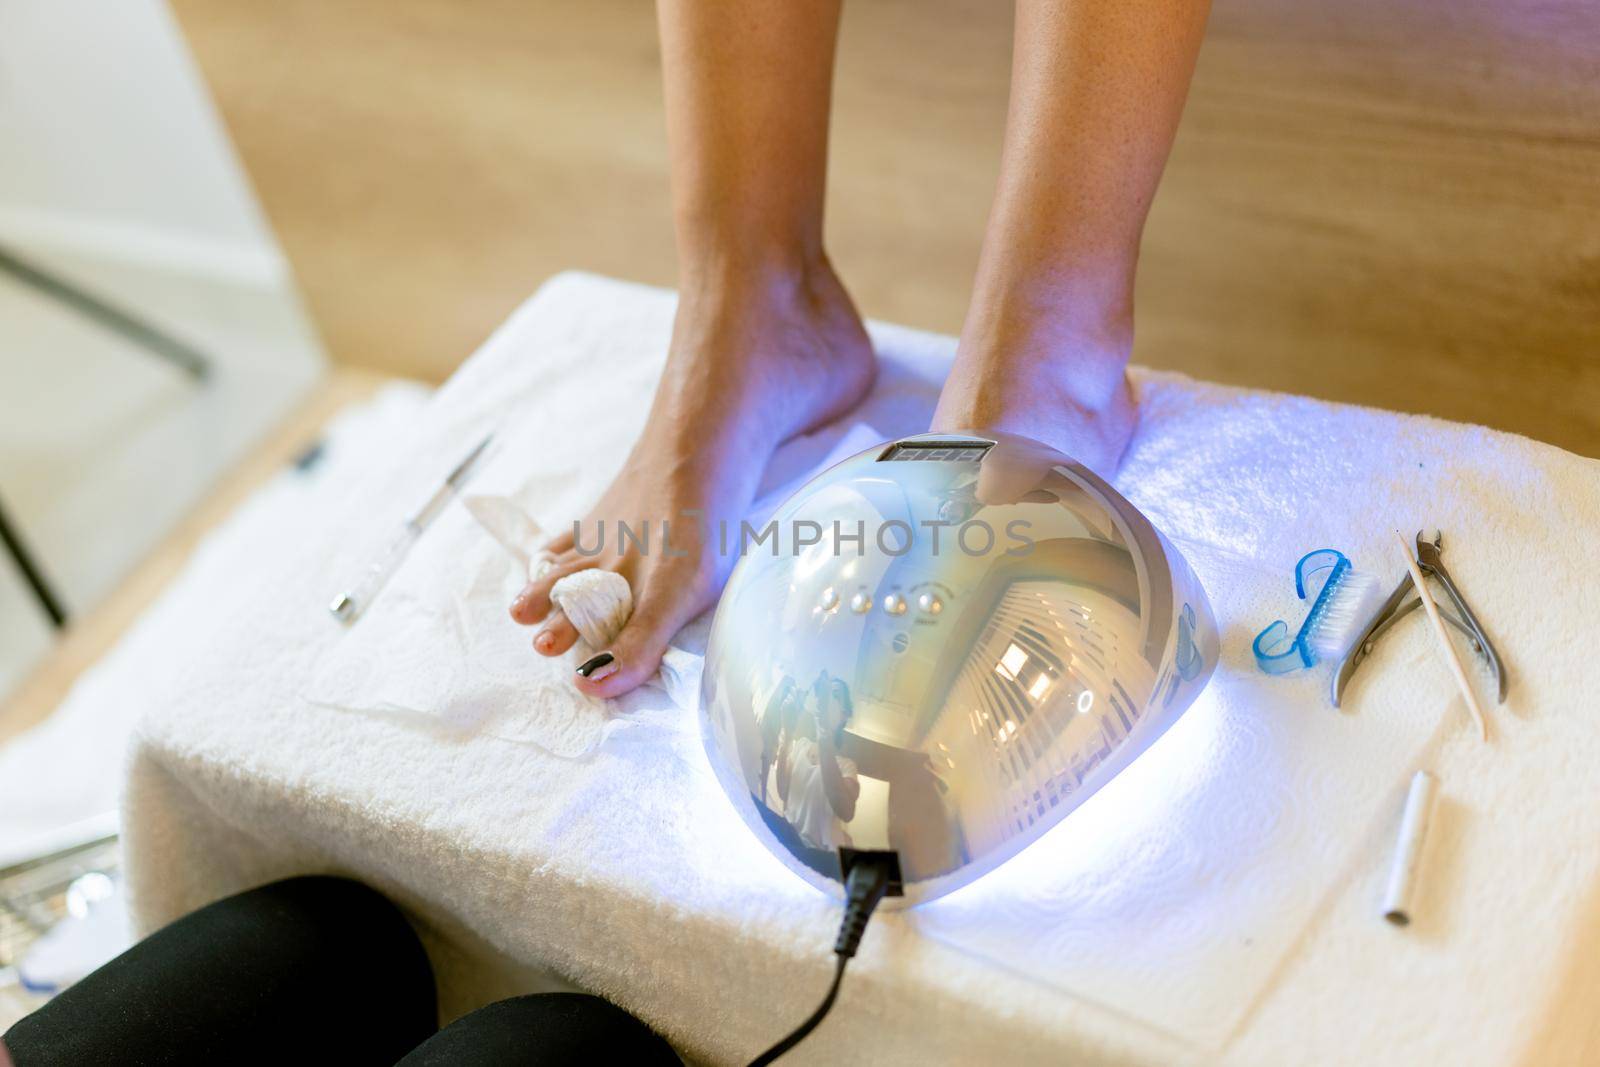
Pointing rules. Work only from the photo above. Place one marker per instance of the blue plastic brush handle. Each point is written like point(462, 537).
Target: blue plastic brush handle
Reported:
point(1317, 574)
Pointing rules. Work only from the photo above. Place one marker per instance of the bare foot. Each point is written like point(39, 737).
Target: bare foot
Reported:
point(1063, 387)
point(752, 363)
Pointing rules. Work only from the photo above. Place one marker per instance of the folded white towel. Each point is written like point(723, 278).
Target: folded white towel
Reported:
point(1220, 899)
point(438, 642)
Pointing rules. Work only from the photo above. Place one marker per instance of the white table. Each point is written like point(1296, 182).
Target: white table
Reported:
point(526, 872)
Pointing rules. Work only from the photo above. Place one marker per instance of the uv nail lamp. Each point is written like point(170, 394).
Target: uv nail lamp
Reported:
point(941, 647)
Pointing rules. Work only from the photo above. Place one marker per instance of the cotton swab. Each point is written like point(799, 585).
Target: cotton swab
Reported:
point(1443, 637)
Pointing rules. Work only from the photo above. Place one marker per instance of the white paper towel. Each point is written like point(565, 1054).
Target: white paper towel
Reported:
point(1210, 854)
point(438, 642)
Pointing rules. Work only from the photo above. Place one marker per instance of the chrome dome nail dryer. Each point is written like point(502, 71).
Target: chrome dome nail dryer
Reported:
point(940, 647)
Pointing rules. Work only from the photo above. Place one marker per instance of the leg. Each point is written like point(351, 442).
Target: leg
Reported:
point(548, 1029)
point(1096, 91)
point(310, 969)
point(766, 344)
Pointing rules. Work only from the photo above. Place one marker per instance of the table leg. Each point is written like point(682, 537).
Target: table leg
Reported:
point(30, 571)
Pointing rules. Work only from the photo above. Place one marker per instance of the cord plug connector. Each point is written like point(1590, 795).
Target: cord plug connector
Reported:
point(869, 876)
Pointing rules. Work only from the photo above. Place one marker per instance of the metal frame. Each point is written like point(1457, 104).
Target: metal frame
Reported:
point(31, 574)
point(158, 343)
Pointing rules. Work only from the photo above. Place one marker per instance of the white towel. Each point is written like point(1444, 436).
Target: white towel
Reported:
point(1217, 902)
point(1138, 900)
point(59, 782)
point(438, 641)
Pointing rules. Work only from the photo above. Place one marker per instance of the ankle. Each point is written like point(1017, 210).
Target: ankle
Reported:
point(724, 250)
point(1071, 361)
point(1075, 304)
point(1073, 398)
point(1035, 358)
point(1001, 399)
point(730, 285)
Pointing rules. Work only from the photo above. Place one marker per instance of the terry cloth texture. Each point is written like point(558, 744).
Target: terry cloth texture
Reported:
point(1217, 903)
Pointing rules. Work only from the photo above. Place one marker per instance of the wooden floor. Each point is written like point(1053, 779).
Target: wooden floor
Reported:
point(1393, 202)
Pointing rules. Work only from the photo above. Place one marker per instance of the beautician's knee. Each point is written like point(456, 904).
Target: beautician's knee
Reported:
point(251, 970)
point(549, 1029)
point(348, 941)
point(322, 923)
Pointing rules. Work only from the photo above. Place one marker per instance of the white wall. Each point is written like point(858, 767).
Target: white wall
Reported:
point(109, 143)
point(117, 176)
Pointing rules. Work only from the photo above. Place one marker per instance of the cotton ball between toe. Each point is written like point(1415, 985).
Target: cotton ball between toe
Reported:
point(597, 602)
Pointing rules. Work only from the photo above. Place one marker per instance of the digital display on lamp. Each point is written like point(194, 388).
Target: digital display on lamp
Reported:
point(940, 451)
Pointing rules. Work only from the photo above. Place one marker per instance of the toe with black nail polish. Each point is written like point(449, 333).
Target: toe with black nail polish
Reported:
point(594, 663)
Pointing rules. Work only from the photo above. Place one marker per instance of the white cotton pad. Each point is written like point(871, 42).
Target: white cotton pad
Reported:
point(597, 602)
point(439, 647)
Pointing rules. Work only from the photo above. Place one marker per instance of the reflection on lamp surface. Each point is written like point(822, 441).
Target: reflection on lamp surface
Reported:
point(1009, 647)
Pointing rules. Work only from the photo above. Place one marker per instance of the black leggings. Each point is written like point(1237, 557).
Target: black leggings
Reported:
point(309, 970)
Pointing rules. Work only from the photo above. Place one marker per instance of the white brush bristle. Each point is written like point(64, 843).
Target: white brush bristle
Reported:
point(1344, 615)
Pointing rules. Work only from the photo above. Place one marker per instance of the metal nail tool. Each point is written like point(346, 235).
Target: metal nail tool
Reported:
point(347, 605)
point(1404, 600)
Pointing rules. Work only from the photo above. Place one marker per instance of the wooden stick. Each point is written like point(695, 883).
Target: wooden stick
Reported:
point(1444, 637)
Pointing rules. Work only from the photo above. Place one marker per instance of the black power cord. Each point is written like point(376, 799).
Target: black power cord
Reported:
point(868, 878)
